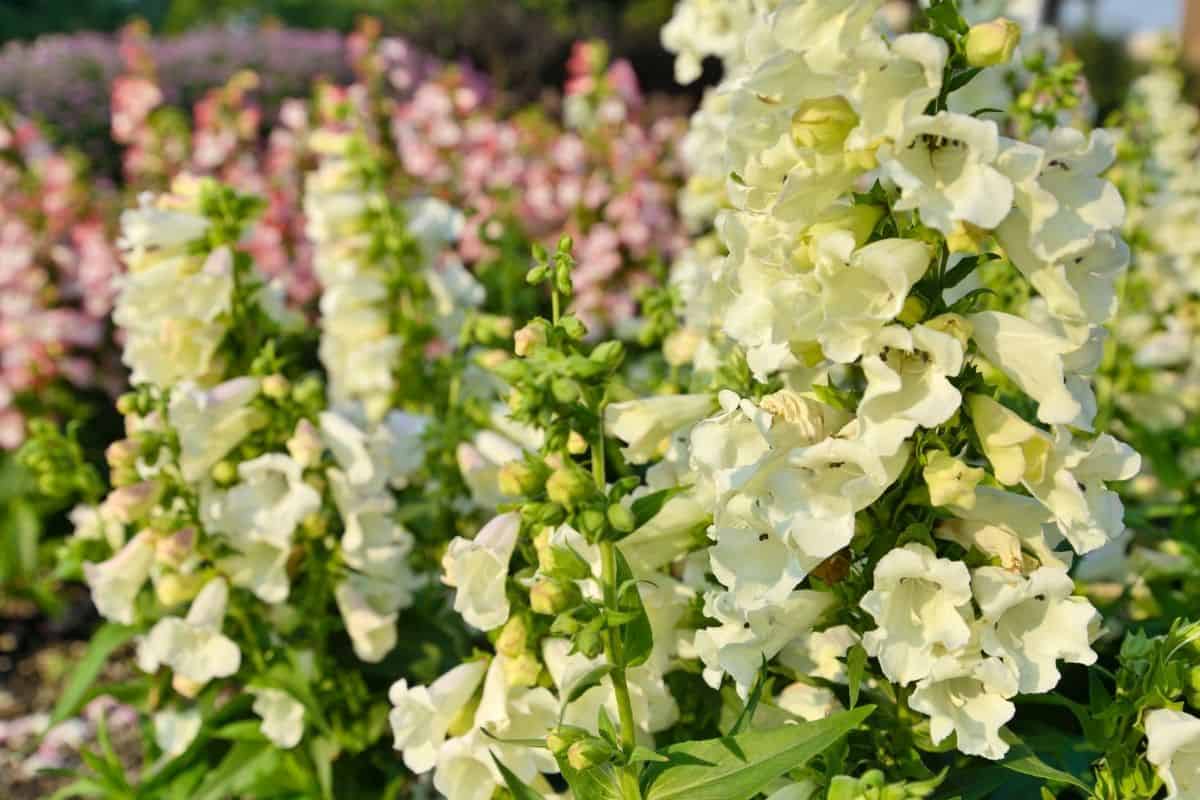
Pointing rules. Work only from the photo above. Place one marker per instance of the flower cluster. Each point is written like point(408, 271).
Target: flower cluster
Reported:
point(920, 300)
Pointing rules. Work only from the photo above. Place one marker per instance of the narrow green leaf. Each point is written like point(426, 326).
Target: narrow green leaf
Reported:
point(241, 767)
point(637, 637)
point(105, 640)
point(747, 713)
point(856, 665)
point(323, 751)
point(643, 754)
point(739, 767)
point(646, 507)
point(517, 787)
point(1022, 759)
point(84, 787)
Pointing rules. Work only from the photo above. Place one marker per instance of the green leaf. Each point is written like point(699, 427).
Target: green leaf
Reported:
point(959, 272)
point(107, 638)
point(517, 787)
point(646, 507)
point(241, 767)
point(961, 79)
point(739, 767)
point(84, 787)
point(856, 665)
point(637, 637)
point(747, 713)
point(597, 783)
point(1022, 759)
point(642, 754)
point(323, 751)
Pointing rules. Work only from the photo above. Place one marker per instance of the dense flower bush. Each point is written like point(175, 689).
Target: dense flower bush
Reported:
point(816, 487)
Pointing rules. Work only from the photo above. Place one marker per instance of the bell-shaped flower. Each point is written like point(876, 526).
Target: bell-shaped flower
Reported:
point(646, 424)
point(1016, 530)
point(1173, 747)
point(194, 647)
point(908, 373)
point(739, 643)
point(1072, 201)
point(282, 716)
point(922, 607)
point(895, 83)
point(820, 654)
point(1033, 357)
point(968, 696)
point(1073, 488)
point(115, 583)
point(268, 503)
point(1018, 451)
point(369, 616)
point(376, 456)
point(478, 569)
point(421, 715)
point(212, 422)
point(466, 769)
point(808, 702)
point(945, 168)
point(1032, 622)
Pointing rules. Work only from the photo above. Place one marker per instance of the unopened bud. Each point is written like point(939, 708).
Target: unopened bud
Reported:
point(531, 336)
point(576, 444)
point(823, 123)
point(953, 325)
point(174, 548)
point(305, 446)
point(276, 387)
point(512, 638)
point(522, 671)
point(549, 596)
point(992, 43)
point(224, 473)
point(913, 311)
point(589, 752)
point(621, 518)
point(609, 355)
point(562, 737)
point(568, 486)
point(573, 327)
point(121, 453)
point(518, 479)
point(127, 404)
point(680, 347)
point(173, 588)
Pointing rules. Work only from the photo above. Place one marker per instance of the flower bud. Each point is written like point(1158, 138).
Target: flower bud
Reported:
point(992, 43)
point(823, 123)
point(591, 523)
point(305, 445)
point(576, 444)
point(549, 596)
point(680, 347)
point(565, 390)
point(121, 453)
point(513, 636)
point(131, 502)
point(573, 327)
point(174, 588)
point(562, 737)
point(224, 473)
point(953, 325)
point(569, 486)
point(589, 752)
point(522, 671)
point(276, 387)
point(563, 563)
point(621, 518)
point(531, 336)
point(518, 479)
point(609, 355)
point(174, 548)
point(913, 311)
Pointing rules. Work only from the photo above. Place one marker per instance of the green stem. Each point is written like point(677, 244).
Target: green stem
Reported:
point(554, 302)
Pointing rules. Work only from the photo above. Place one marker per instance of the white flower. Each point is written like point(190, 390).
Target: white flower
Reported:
point(282, 716)
point(700, 28)
point(421, 715)
point(478, 569)
point(968, 696)
point(174, 731)
point(116, 582)
point(1173, 747)
point(1032, 622)
point(944, 166)
point(1017, 450)
point(152, 232)
point(376, 456)
point(820, 654)
point(1033, 357)
point(647, 423)
point(465, 770)
point(1011, 528)
point(173, 315)
point(921, 604)
point(194, 646)
point(96, 522)
point(210, 423)
point(370, 620)
point(738, 645)
point(453, 292)
point(894, 85)
point(267, 504)
point(480, 461)
point(908, 386)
